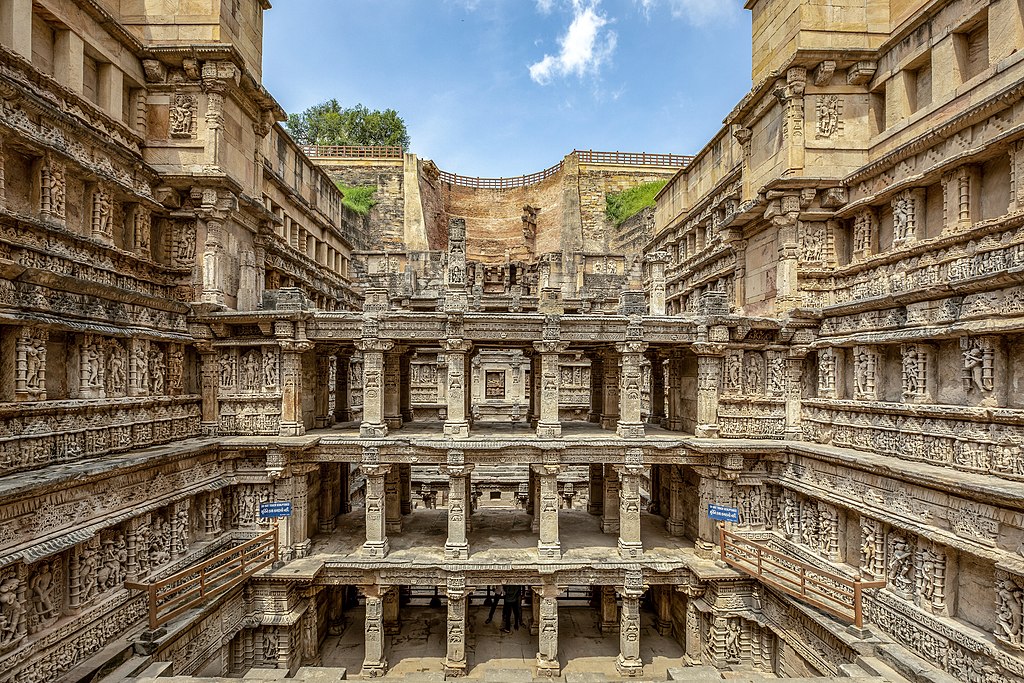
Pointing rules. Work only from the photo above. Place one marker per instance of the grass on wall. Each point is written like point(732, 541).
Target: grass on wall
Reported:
point(622, 206)
point(359, 198)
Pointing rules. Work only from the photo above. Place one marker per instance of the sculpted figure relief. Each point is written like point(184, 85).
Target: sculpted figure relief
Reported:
point(1009, 612)
point(12, 611)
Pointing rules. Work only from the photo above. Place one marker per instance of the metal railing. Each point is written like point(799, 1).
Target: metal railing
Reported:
point(838, 595)
point(589, 156)
point(176, 594)
point(352, 151)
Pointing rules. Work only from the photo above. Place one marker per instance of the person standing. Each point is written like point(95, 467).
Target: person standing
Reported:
point(512, 609)
point(497, 593)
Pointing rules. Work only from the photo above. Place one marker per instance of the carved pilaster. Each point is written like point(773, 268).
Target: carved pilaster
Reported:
point(907, 216)
point(548, 545)
point(455, 657)
point(630, 424)
point(457, 422)
point(30, 364)
point(961, 198)
point(456, 546)
point(709, 372)
point(373, 391)
point(630, 545)
point(374, 663)
point(610, 404)
point(629, 663)
point(547, 638)
point(865, 234)
point(549, 426)
point(918, 376)
point(865, 368)
point(292, 423)
point(376, 544)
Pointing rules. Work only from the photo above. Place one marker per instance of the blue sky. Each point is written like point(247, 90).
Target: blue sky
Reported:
point(506, 87)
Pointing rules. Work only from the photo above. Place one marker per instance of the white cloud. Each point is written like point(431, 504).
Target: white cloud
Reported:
point(586, 45)
point(545, 6)
point(696, 12)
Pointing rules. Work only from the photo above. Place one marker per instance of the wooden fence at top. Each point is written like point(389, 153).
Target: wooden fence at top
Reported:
point(352, 152)
point(191, 587)
point(838, 595)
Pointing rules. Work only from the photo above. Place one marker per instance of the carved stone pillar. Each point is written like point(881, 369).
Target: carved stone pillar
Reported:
point(691, 639)
point(628, 663)
point(405, 490)
point(457, 423)
point(345, 489)
point(30, 364)
point(548, 545)
point(675, 391)
point(210, 384)
point(456, 547)
point(374, 663)
point(392, 387)
point(609, 622)
point(296, 489)
point(405, 388)
point(330, 495)
point(596, 388)
point(709, 372)
point(630, 544)
point(711, 490)
point(793, 386)
point(291, 387)
point(865, 234)
point(392, 611)
point(455, 657)
point(674, 524)
point(595, 501)
point(213, 266)
point(610, 516)
point(549, 426)
point(322, 398)
point(783, 213)
point(610, 404)
point(547, 638)
point(961, 195)
point(376, 544)
point(52, 189)
point(373, 390)
point(630, 424)
point(392, 500)
point(3, 178)
point(342, 402)
point(656, 297)
point(658, 414)
point(663, 605)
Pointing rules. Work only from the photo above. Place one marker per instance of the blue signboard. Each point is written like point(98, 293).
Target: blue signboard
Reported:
point(276, 509)
point(723, 513)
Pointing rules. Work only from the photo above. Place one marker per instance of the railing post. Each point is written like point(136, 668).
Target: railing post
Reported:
point(858, 612)
point(759, 571)
point(153, 625)
point(803, 580)
point(721, 540)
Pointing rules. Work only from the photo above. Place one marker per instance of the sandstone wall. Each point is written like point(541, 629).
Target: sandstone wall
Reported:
point(386, 221)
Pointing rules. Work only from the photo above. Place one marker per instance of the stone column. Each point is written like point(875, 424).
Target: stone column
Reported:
point(531, 501)
point(674, 524)
point(630, 424)
point(783, 213)
point(675, 391)
point(656, 297)
point(342, 404)
point(630, 544)
point(691, 639)
point(455, 657)
point(609, 610)
point(392, 611)
point(549, 425)
point(210, 379)
point(345, 488)
point(322, 398)
point(610, 517)
point(376, 544)
point(628, 663)
point(405, 388)
point(291, 388)
point(793, 387)
point(712, 489)
point(392, 500)
point(548, 545)
point(533, 388)
point(547, 638)
point(595, 502)
point(392, 387)
point(610, 402)
point(596, 388)
point(457, 545)
point(213, 275)
point(709, 373)
point(457, 423)
point(330, 495)
point(657, 416)
point(374, 663)
point(405, 492)
point(373, 424)
point(663, 604)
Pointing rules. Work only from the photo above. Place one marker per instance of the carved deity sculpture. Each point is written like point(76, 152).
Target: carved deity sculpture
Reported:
point(929, 575)
point(114, 558)
point(1009, 612)
point(917, 367)
point(117, 371)
point(251, 371)
point(43, 595)
point(754, 374)
point(30, 365)
point(102, 214)
point(732, 641)
point(826, 108)
point(979, 361)
point(12, 611)
point(226, 363)
point(182, 115)
point(271, 370)
point(864, 366)
point(900, 564)
point(733, 372)
point(156, 371)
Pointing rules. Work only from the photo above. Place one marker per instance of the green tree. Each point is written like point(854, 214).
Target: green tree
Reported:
point(328, 123)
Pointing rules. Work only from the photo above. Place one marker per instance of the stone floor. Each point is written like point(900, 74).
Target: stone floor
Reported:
point(502, 535)
point(420, 646)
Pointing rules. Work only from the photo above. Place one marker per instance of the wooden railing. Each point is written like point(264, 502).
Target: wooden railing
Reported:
point(190, 588)
point(838, 595)
point(352, 151)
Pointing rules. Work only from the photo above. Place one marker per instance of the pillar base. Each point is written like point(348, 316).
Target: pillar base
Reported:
point(594, 417)
point(453, 669)
point(629, 668)
point(301, 550)
point(393, 422)
point(609, 421)
point(664, 628)
point(456, 551)
point(292, 429)
point(550, 551)
point(704, 549)
point(675, 424)
point(630, 430)
point(374, 669)
point(629, 550)
point(393, 527)
point(392, 628)
point(610, 526)
point(549, 430)
point(459, 430)
point(674, 527)
point(322, 422)
point(706, 431)
point(377, 548)
point(327, 525)
point(547, 668)
point(609, 626)
point(595, 508)
point(373, 431)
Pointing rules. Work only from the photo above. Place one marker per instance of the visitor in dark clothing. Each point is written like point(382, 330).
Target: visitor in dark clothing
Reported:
point(512, 608)
point(496, 596)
